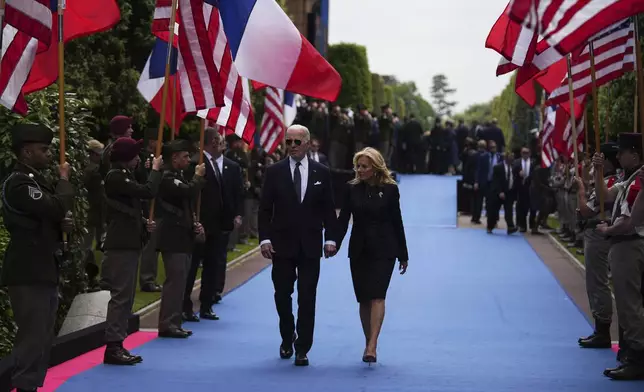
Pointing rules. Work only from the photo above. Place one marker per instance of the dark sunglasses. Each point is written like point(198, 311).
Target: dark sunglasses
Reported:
point(293, 141)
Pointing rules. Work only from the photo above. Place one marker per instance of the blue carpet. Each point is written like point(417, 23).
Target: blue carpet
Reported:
point(475, 312)
point(429, 201)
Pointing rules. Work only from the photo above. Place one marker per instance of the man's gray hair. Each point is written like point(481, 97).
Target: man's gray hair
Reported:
point(210, 133)
point(301, 128)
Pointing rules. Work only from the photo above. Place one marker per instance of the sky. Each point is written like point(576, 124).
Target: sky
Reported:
point(416, 39)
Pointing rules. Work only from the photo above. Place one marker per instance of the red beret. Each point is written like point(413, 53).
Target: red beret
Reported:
point(120, 124)
point(124, 149)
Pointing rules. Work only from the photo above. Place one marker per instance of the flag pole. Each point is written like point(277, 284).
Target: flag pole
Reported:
point(61, 81)
point(640, 77)
point(202, 132)
point(573, 121)
point(608, 113)
point(164, 94)
point(593, 76)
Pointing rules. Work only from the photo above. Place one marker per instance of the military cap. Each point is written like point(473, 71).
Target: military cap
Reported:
point(178, 145)
point(120, 124)
point(630, 141)
point(609, 149)
point(124, 149)
point(22, 134)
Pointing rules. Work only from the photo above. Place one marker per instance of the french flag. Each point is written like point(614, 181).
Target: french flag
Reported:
point(268, 48)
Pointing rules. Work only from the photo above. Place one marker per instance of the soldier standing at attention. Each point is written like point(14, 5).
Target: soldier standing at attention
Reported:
point(126, 234)
point(176, 233)
point(596, 249)
point(626, 256)
point(34, 213)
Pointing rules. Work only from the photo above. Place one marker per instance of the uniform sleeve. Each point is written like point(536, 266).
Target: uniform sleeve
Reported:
point(629, 200)
point(173, 187)
point(119, 185)
point(403, 254)
point(23, 194)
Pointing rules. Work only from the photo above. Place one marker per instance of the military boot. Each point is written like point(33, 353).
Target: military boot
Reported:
point(116, 354)
point(599, 339)
point(631, 369)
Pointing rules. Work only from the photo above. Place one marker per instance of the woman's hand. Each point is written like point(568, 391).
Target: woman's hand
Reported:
point(402, 267)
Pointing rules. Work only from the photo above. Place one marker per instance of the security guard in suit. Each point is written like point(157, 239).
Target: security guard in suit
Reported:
point(35, 214)
point(126, 234)
point(176, 233)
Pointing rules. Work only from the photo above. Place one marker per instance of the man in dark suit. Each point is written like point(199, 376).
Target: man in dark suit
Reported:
point(484, 165)
point(524, 168)
point(502, 193)
point(316, 155)
point(296, 204)
point(221, 211)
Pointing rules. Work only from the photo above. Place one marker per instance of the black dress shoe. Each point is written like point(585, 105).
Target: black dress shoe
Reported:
point(208, 314)
point(189, 332)
point(628, 372)
point(217, 298)
point(190, 317)
point(286, 348)
point(120, 356)
point(596, 340)
point(301, 360)
point(512, 230)
point(152, 288)
point(174, 334)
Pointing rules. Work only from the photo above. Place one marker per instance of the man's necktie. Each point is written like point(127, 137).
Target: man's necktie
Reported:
point(217, 171)
point(297, 180)
point(509, 174)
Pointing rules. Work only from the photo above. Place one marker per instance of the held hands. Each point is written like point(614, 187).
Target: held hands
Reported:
point(198, 228)
point(238, 222)
point(330, 250)
point(151, 226)
point(521, 174)
point(602, 228)
point(157, 162)
point(267, 251)
point(598, 160)
point(200, 170)
point(63, 170)
point(502, 196)
point(580, 184)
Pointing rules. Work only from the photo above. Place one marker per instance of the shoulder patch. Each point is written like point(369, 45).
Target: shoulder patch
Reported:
point(34, 193)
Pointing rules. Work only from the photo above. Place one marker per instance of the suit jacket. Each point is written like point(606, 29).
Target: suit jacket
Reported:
point(523, 186)
point(483, 167)
point(289, 224)
point(221, 203)
point(377, 221)
point(323, 159)
point(33, 210)
point(500, 183)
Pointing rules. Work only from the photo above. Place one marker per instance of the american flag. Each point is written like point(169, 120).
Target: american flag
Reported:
point(567, 25)
point(201, 87)
point(556, 137)
point(549, 153)
point(237, 114)
point(18, 54)
point(273, 126)
point(614, 56)
point(32, 17)
point(513, 41)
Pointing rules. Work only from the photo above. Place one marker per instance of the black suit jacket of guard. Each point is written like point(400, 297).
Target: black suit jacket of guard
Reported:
point(290, 225)
point(524, 186)
point(500, 180)
point(377, 223)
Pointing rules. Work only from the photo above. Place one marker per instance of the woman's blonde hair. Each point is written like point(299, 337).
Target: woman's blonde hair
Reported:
point(381, 173)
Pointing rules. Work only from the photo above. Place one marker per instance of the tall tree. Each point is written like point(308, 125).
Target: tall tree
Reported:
point(350, 60)
point(440, 93)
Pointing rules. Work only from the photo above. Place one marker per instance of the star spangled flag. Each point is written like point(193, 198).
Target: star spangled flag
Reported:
point(614, 51)
point(32, 17)
point(201, 86)
point(568, 24)
point(273, 124)
point(267, 48)
point(549, 153)
point(18, 54)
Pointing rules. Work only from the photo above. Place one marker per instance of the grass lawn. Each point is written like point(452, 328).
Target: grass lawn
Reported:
point(143, 299)
point(554, 223)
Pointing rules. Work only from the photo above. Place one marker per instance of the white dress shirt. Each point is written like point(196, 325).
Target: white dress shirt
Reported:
point(315, 156)
point(526, 168)
point(219, 161)
point(304, 174)
point(509, 176)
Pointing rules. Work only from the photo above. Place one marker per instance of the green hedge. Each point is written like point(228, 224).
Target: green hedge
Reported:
point(43, 109)
point(350, 60)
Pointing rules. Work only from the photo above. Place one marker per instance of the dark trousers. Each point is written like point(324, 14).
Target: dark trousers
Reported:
point(221, 262)
point(34, 311)
point(176, 267)
point(204, 254)
point(623, 344)
point(123, 266)
point(306, 272)
point(525, 213)
point(477, 208)
point(149, 261)
point(494, 207)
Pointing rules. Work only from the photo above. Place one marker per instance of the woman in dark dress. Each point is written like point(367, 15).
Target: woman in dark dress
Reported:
point(377, 240)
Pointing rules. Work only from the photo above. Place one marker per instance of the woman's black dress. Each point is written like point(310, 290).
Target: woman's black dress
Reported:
point(377, 237)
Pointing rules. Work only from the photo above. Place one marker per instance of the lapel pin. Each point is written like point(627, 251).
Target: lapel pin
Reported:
point(380, 194)
point(31, 175)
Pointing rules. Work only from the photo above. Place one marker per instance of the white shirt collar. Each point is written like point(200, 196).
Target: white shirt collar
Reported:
point(304, 162)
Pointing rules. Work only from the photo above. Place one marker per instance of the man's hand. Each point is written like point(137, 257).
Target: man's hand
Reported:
point(502, 196)
point(580, 184)
point(598, 160)
point(238, 222)
point(267, 251)
point(199, 230)
point(521, 174)
point(63, 170)
point(476, 186)
point(150, 225)
point(603, 228)
point(157, 162)
point(67, 224)
point(330, 250)
point(200, 170)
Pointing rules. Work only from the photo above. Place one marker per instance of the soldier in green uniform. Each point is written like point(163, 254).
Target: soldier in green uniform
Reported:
point(35, 214)
point(626, 255)
point(125, 236)
point(596, 249)
point(176, 233)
